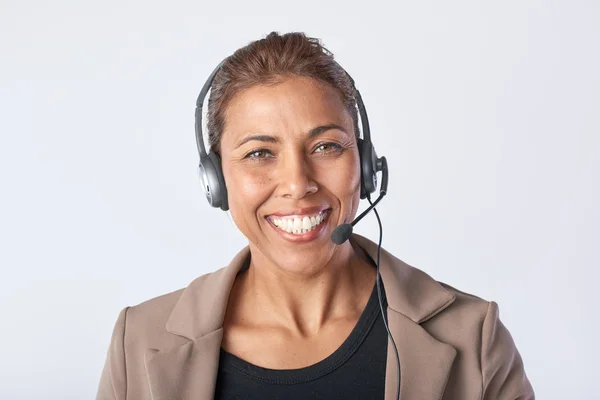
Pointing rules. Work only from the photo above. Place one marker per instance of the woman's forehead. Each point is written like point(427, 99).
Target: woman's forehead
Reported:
point(296, 105)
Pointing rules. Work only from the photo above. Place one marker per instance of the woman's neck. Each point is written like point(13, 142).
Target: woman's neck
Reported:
point(302, 303)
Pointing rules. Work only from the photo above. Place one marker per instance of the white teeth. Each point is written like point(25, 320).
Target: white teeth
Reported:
point(299, 225)
point(306, 225)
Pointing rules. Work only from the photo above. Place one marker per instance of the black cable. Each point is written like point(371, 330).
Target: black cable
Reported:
point(378, 280)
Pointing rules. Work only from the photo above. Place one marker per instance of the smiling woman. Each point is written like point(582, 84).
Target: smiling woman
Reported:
point(296, 315)
point(310, 135)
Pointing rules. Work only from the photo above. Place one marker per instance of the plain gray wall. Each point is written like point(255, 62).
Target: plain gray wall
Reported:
point(487, 113)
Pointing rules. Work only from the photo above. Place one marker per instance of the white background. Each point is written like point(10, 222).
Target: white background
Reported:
point(488, 115)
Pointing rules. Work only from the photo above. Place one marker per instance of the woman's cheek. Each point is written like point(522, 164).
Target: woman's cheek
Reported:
point(350, 181)
point(249, 191)
point(245, 198)
point(353, 189)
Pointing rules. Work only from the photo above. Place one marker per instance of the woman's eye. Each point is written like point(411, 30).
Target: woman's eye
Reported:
point(258, 154)
point(327, 148)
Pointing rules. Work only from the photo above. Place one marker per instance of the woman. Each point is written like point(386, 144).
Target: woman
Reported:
point(296, 315)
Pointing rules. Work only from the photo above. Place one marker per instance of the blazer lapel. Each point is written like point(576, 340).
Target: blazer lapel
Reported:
point(413, 298)
point(185, 372)
point(425, 362)
point(188, 371)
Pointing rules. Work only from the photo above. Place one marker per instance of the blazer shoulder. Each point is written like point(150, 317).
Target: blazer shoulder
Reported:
point(467, 310)
point(154, 310)
point(146, 321)
point(150, 316)
point(465, 299)
point(136, 328)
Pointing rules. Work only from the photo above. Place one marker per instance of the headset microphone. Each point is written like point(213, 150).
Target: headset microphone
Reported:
point(344, 231)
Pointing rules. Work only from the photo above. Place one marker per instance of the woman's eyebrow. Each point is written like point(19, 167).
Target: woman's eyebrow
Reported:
point(320, 129)
point(271, 139)
point(260, 138)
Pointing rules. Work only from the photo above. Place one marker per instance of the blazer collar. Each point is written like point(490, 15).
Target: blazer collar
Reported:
point(410, 291)
point(202, 305)
point(413, 298)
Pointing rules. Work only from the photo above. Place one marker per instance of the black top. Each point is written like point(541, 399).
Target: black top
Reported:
point(356, 370)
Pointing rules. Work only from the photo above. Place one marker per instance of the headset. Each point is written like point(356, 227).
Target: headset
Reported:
point(213, 182)
point(211, 172)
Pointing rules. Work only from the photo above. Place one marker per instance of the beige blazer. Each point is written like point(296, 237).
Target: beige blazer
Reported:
point(452, 345)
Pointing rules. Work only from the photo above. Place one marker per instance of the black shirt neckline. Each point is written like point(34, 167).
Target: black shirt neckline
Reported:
point(321, 368)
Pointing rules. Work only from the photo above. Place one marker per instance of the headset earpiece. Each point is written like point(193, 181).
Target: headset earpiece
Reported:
point(368, 168)
point(213, 182)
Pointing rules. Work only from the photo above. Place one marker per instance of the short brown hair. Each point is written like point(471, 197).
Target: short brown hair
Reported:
point(268, 61)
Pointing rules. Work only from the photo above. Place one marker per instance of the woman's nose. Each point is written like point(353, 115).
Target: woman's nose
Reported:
point(295, 177)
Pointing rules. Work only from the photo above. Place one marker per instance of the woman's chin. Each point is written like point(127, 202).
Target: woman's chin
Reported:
point(301, 262)
point(303, 266)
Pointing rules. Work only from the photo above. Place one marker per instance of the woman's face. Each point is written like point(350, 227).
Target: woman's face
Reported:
point(291, 166)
